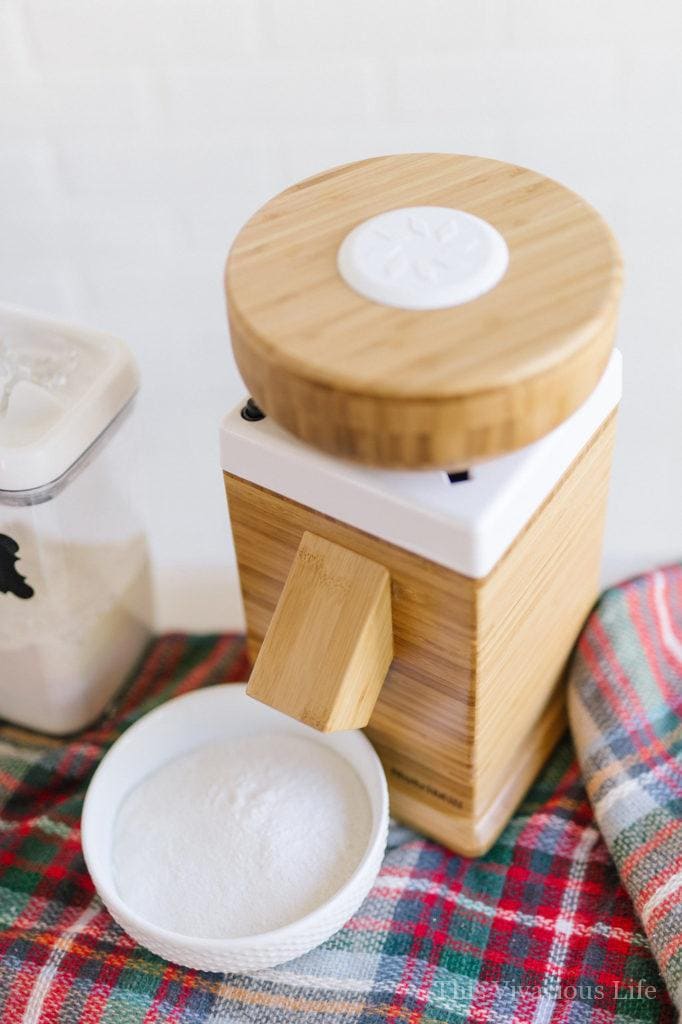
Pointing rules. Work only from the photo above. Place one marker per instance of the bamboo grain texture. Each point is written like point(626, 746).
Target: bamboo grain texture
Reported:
point(473, 702)
point(446, 387)
point(327, 649)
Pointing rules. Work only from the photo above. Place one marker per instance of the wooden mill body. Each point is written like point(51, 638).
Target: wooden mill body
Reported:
point(473, 700)
point(456, 674)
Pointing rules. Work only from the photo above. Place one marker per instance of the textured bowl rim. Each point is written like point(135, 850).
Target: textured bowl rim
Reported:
point(121, 911)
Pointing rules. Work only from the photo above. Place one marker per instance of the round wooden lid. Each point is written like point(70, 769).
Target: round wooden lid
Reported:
point(423, 387)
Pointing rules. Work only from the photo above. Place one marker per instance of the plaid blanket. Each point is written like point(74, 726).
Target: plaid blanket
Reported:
point(539, 930)
point(625, 702)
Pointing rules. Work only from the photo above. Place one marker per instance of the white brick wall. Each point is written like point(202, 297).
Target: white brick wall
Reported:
point(137, 135)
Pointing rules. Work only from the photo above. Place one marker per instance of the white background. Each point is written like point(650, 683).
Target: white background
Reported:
point(138, 135)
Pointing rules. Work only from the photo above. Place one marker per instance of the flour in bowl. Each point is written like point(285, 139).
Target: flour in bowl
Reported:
point(239, 838)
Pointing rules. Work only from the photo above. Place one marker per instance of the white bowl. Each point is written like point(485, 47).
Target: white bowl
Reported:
point(176, 728)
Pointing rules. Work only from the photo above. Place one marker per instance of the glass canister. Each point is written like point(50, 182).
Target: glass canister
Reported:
point(75, 590)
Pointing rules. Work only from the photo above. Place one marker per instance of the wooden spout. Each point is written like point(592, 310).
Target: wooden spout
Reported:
point(330, 641)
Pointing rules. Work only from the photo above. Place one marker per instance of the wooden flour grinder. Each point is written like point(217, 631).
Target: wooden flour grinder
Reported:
point(418, 514)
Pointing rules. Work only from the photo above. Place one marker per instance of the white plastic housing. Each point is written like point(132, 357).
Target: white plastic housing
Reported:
point(465, 526)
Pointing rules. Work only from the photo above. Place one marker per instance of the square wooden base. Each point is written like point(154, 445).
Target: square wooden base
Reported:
point(472, 704)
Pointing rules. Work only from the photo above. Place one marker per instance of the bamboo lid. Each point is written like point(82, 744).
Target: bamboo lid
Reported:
point(469, 323)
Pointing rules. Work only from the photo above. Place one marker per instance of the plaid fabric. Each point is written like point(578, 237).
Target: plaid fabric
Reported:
point(625, 703)
point(538, 930)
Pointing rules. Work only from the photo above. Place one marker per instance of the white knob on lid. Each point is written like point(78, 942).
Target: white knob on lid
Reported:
point(423, 257)
point(402, 369)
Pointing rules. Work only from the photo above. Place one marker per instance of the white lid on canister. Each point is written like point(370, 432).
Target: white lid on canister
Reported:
point(60, 388)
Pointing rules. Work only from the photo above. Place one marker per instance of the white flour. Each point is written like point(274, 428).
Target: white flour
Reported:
point(240, 838)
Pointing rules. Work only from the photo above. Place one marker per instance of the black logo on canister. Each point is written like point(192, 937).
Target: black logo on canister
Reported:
point(11, 582)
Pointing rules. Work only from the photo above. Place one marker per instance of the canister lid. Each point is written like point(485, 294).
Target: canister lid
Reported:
point(423, 310)
point(60, 387)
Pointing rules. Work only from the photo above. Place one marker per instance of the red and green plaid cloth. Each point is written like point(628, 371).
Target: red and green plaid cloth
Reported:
point(539, 930)
point(625, 701)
